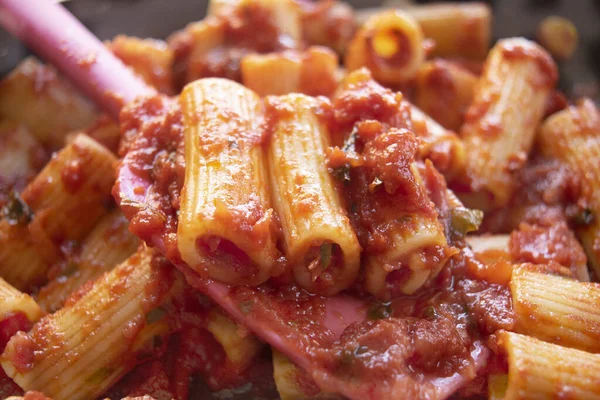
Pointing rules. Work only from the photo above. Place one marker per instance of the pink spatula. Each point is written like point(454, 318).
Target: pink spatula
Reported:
point(305, 328)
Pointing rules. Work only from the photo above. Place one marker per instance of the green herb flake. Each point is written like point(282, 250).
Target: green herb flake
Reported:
point(379, 311)
point(155, 315)
point(464, 220)
point(342, 173)
point(99, 376)
point(584, 218)
point(246, 306)
point(430, 312)
point(325, 251)
point(70, 269)
point(16, 211)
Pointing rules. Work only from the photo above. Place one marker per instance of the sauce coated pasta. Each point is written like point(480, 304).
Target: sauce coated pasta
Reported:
point(305, 202)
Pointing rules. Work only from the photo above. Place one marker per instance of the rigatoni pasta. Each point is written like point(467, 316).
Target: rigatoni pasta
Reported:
point(226, 185)
point(21, 157)
point(35, 96)
point(390, 44)
point(69, 195)
point(107, 245)
point(313, 209)
point(151, 59)
point(508, 104)
point(572, 136)
point(14, 303)
point(319, 241)
point(557, 309)
point(540, 371)
point(444, 90)
point(312, 72)
point(80, 351)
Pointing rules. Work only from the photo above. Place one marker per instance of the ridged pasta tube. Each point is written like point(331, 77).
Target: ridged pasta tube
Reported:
point(319, 240)
point(226, 224)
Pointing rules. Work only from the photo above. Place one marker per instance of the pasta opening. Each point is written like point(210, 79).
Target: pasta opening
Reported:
point(324, 260)
point(390, 46)
point(226, 255)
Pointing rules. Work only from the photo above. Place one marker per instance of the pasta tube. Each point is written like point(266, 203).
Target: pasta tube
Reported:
point(20, 263)
point(70, 194)
point(443, 147)
point(319, 241)
point(543, 371)
point(35, 96)
point(12, 301)
point(311, 72)
point(556, 309)
point(390, 44)
point(18, 312)
point(285, 14)
point(226, 223)
point(21, 156)
point(499, 129)
point(572, 136)
point(294, 384)
point(84, 348)
point(108, 244)
point(328, 23)
point(457, 30)
point(444, 91)
point(417, 253)
point(240, 346)
point(149, 58)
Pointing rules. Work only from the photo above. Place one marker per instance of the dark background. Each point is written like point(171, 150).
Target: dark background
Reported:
point(158, 18)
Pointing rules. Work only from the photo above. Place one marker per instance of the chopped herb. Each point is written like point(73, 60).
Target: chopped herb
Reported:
point(16, 211)
point(157, 341)
point(464, 220)
point(379, 311)
point(350, 142)
point(99, 376)
point(361, 350)
point(342, 173)
point(246, 306)
point(584, 218)
point(325, 255)
point(430, 312)
point(70, 269)
point(155, 315)
point(347, 357)
point(375, 184)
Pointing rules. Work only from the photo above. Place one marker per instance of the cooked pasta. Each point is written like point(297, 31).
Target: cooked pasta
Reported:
point(556, 309)
point(35, 96)
point(78, 352)
point(226, 185)
point(13, 302)
point(444, 90)
point(69, 195)
point(312, 72)
point(319, 241)
point(508, 104)
point(107, 245)
point(572, 136)
point(457, 30)
point(21, 157)
point(539, 370)
point(151, 59)
point(294, 199)
point(390, 44)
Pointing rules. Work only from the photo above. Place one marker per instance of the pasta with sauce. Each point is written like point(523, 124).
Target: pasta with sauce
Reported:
point(265, 222)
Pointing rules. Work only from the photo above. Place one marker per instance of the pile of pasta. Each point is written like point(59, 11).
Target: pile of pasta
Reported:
point(391, 156)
